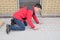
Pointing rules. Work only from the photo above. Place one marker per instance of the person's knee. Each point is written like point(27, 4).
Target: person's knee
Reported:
point(23, 28)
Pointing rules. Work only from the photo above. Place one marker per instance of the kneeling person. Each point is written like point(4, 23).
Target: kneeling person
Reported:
point(20, 17)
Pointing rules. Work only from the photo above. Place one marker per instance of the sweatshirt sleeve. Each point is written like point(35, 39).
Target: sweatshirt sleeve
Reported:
point(36, 19)
point(29, 18)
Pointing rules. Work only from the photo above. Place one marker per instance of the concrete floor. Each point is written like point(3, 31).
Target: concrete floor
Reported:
point(49, 30)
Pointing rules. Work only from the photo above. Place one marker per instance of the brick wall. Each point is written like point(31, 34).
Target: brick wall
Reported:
point(8, 6)
point(51, 8)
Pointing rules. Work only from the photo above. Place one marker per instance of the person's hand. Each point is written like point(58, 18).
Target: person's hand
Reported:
point(40, 22)
point(35, 28)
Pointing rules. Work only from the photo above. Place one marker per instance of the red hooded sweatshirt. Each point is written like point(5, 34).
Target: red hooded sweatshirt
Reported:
point(28, 14)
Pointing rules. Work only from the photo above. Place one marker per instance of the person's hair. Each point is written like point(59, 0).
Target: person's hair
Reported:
point(38, 5)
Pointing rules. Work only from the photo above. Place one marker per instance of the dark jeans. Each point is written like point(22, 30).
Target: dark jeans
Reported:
point(19, 25)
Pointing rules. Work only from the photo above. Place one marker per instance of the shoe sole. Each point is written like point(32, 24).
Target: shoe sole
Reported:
point(7, 29)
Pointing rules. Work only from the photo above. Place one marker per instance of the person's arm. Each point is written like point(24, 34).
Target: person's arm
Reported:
point(36, 19)
point(29, 18)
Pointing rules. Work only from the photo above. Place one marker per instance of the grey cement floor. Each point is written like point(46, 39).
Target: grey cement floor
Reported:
point(49, 30)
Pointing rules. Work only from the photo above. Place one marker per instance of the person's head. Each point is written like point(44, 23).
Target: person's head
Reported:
point(37, 7)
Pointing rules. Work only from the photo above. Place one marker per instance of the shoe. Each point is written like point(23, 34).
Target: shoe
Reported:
point(7, 29)
point(12, 22)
